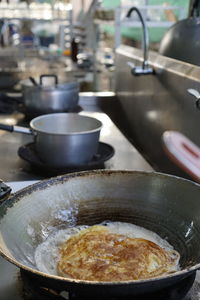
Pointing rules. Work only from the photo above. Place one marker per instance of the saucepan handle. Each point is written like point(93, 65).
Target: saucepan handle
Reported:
point(5, 191)
point(55, 77)
point(33, 81)
point(7, 127)
point(19, 129)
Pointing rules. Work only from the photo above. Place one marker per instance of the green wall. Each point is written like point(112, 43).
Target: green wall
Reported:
point(155, 34)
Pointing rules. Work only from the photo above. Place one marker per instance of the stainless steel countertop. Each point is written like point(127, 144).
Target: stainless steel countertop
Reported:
point(15, 169)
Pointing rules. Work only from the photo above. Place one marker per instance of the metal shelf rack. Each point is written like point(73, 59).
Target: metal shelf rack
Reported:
point(43, 13)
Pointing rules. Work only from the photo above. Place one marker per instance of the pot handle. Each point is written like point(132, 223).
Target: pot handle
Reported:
point(49, 75)
point(5, 191)
point(19, 129)
point(33, 81)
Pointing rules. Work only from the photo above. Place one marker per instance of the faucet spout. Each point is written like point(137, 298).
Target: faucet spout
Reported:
point(145, 65)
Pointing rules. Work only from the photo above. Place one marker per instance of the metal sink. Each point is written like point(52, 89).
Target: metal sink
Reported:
point(152, 104)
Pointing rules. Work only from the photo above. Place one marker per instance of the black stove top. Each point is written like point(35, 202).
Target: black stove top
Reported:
point(16, 285)
point(30, 290)
point(27, 153)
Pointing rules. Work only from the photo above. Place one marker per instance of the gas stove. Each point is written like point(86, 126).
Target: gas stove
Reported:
point(17, 285)
point(30, 291)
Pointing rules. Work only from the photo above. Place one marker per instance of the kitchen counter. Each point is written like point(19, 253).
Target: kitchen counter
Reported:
point(18, 174)
point(15, 169)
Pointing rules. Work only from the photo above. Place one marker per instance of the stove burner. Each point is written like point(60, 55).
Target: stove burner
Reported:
point(32, 291)
point(9, 104)
point(28, 153)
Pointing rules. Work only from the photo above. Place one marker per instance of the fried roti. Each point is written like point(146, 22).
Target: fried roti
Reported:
point(97, 254)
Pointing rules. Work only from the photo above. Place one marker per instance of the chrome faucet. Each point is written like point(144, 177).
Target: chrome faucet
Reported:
point(144, 69)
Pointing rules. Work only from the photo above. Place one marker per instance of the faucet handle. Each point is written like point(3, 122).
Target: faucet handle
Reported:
point(196, 94)
point(130, 64)
point(137, 70)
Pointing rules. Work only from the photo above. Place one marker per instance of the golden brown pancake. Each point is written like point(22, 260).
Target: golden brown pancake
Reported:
point(97, 254)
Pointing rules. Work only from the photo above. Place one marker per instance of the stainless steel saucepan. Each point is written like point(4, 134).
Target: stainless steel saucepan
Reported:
point(63, 139)
point(53, 97)
point(165, 204)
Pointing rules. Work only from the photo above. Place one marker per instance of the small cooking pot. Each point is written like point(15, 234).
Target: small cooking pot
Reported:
point(165, 204)
point(43, 99)
point(63, 139)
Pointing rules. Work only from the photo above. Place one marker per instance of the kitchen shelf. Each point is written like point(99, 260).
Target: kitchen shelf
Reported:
point(150, 24)
point(35, 19)
point(38, 12)
point(63, 15)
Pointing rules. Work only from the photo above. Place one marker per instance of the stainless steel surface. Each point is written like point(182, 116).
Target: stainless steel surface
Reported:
point(55, 97)
point(21, 129)
point(156, 103)
point(145, 69)
point(96, 100)
point(14, 169)
point(181, 41)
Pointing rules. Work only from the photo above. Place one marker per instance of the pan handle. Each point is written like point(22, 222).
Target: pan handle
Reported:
point(19, 129)
point(5, 191)
point(49, 75)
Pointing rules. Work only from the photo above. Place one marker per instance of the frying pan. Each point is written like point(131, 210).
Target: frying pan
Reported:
point(62, 139)
point(165, 204)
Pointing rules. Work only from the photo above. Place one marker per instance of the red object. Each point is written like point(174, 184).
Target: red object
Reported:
point(183, 152)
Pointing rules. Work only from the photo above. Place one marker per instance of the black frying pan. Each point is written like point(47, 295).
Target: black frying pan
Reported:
point(167, 205)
